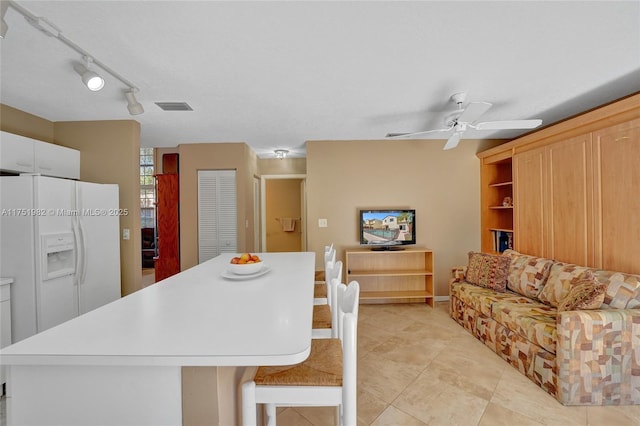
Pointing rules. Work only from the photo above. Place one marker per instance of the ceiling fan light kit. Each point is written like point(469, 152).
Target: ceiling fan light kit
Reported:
point(465, 118)
point(90, 78)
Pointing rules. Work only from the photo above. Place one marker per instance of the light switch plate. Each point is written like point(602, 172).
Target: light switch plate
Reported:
point(322, 223)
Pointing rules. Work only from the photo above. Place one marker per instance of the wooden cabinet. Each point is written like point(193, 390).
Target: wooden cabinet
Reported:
point(529, 178)
point(616, 152)
point(19, 154)
point(168, 226)
point(568, 200)
point(553, 200)
point(392, 276)
point(575, 187)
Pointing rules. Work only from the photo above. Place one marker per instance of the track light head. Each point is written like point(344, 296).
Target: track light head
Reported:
point(90, 79)
point(133, 105)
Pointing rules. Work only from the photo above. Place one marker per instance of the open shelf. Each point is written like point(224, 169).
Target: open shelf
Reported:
point(395, 276)
point(381, 295)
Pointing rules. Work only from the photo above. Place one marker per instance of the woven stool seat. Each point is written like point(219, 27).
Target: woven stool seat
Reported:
point(319, 290)
point(326, 378)
point(321, 316)
point(322, 368)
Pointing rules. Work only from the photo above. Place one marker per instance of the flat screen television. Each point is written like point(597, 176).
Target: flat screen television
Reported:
point(387, 229)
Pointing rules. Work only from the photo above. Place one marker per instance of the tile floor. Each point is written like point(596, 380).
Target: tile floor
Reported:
point(416, 367)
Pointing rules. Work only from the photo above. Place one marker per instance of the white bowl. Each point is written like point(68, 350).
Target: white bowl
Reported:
point(245, 268)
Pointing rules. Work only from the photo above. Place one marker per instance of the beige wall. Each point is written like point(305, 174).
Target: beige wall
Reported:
point(443, 187)
point(214, 156)
point(110, 153)
point(285, 166)
point(21, 123)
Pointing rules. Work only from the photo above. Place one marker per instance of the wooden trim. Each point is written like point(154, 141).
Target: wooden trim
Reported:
point(619, 111)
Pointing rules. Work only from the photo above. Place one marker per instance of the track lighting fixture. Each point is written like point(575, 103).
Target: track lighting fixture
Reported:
point(133, 105)
point(281, 153)
point(90, 79)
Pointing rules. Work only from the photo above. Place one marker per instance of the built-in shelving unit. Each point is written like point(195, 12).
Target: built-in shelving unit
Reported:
point(392, 276)
point(497, 204)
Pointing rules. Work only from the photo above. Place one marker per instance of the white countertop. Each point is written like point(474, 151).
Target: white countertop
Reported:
point(194, 318)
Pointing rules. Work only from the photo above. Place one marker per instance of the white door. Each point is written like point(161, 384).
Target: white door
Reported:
point(217, 213)
point(99, 226)
point(56, 298)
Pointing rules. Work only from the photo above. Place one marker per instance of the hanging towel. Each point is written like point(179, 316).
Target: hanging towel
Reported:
point(288, 224)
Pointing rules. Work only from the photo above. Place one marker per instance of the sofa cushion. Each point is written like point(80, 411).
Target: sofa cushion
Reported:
point(534, 322)
point(586, 292)
point(559, 282)
point(623, 290)
point(527, 274)
point(482, 299)
point(488, 270)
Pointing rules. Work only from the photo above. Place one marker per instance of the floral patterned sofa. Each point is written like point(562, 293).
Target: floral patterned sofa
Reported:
point(572, 330)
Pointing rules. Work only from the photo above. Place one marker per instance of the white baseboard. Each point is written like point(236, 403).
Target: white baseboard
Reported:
point(441, 298)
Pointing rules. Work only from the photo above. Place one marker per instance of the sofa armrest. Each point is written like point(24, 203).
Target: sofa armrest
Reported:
point(598, 357)
point(458, 273)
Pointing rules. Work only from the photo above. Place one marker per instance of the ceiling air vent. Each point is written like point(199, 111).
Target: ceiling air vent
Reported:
point(174, 106)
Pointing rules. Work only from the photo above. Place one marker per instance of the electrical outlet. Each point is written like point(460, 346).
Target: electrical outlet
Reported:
point(126, 234)
point(322, 223)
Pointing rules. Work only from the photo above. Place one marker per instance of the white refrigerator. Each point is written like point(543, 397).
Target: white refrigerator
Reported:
point(60, 244)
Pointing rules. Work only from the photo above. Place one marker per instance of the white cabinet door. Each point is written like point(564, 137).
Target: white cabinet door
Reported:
point(16, 153)
point(56, 160)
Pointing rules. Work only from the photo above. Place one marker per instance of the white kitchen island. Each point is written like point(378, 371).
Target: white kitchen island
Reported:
point(121, 364)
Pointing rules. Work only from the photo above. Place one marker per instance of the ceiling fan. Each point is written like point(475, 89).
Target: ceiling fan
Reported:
point(465, 118)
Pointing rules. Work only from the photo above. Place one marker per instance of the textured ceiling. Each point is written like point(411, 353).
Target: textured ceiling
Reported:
point(276, 74)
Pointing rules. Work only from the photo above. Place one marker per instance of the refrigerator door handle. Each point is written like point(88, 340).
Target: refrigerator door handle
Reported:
point(83, 254)
point(79, 252)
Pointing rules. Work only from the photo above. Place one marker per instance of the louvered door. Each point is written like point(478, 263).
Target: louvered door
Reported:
point(217, 213)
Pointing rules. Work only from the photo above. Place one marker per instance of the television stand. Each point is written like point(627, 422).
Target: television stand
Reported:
point(392, 276)
point(387, 248)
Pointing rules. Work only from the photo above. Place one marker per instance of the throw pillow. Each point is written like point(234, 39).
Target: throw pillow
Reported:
point(527, 274)
point(586, 292)
point(559, 282)
point(488, 270)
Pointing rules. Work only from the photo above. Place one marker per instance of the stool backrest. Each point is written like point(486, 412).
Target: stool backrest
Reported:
point(349, 298)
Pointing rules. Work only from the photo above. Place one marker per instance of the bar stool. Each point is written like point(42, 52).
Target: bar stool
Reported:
point(326, 378)
point(325, 322)
point(321, 287)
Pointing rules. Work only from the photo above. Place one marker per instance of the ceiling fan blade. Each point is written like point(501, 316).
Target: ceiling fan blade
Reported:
point(473, 111)
point(453, 141)
point(410, 135)
point(508, 124)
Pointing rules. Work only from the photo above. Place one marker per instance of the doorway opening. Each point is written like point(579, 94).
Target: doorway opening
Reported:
point(283, 213)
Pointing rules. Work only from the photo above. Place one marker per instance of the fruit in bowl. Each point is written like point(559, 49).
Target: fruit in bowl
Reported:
point(245, 264)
